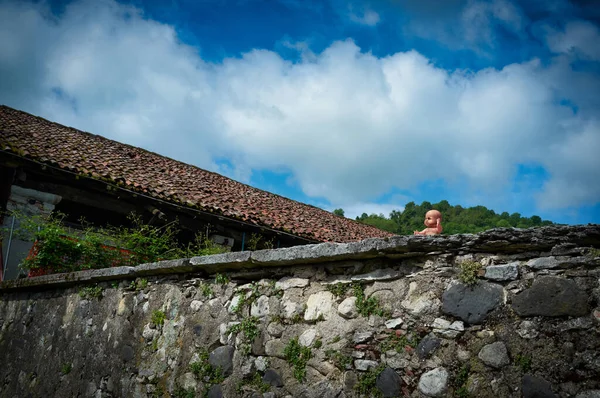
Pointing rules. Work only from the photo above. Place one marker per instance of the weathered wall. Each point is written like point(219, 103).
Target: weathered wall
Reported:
point(529, 326)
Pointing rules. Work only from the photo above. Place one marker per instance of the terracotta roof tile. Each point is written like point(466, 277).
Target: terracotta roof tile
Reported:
point(143, 171)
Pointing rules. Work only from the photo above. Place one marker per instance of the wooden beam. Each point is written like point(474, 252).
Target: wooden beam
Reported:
point(88, 198)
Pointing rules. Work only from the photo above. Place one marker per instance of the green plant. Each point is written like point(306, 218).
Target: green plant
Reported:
point(249, 327)
point(297, 356)
point(255, 382)
point(269, 244)
point(367, 306)
point(469, 271)
point(275, 291)
point(208, 374)
point(338, 359)
point(318, 343)
point(240, 304)
point(138, 284)
point(523, 362)
point(66, 368)
point(393, 342)
point(339, 289)
point(154, 345)
point(158, 392)
point(221, 279)
point(158, 318)
point(180, 392)
point(257, 242)
point(59, 248)
point(247, 298)
point(460, 382)
point(90, 292)
point(335, 339)
point(366, 384)
point(253, 241)
point(206, 289)
point(593, 252)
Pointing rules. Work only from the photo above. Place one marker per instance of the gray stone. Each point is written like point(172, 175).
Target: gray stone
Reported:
point(418, 303)
point(290, 282)
point(361, 337)
point(149, 333)
point(291, 309)
point(261, 363)
point(504, 272)
point(226, 337)
point(427, 346)
point(347, 308)
point(566, 249)
point(393, 323)
point(576, 324)
point(494, 355)
point(365, 364)
point(215, 391)
point(551, 296)
point(127, 353)
point(447, 329)
point(269, 394)
point(397, 362)
point(195, 305)
point(260, 307)
point(307, 338)
point(272, 377)
point(536, 387)
point(589, 394)
point(377, 275)
point(319, 305)
point(472, 304)
point(350, 380)
point(247, 367)
point(434, 383)
point(389, 383)
point(197, 329)
point(235, 302)
point(527, 330)
point(275, 329)
point(543, 263)
point(222, 357)
point(275, 348)
point(463, 355)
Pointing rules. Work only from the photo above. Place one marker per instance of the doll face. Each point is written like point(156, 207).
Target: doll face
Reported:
point(431, 218)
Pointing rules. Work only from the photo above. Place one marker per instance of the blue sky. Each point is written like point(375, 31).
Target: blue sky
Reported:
point(336, 103)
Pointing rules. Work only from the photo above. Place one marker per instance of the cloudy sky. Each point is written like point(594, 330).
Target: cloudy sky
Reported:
point(338, 103)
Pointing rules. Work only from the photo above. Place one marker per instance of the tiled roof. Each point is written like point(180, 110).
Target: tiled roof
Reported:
point(157, 176)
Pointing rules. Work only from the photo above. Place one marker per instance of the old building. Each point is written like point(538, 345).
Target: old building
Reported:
point(45, 167)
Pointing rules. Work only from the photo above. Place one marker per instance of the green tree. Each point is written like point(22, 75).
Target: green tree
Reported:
point(456, 219)
point(339, 212)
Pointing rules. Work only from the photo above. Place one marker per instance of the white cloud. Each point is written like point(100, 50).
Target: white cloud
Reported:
point(578, 38)
point(348, 125)
point(478, 18)
point(366, 17)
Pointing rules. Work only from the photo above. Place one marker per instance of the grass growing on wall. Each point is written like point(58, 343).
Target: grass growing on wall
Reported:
point(59, 249)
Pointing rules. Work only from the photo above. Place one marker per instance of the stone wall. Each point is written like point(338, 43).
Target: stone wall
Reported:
point(505, 313)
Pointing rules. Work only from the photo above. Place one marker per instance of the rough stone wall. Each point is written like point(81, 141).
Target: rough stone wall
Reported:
point(507, 313)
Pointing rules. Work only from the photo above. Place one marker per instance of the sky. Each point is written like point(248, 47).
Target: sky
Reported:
point(346, 104)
